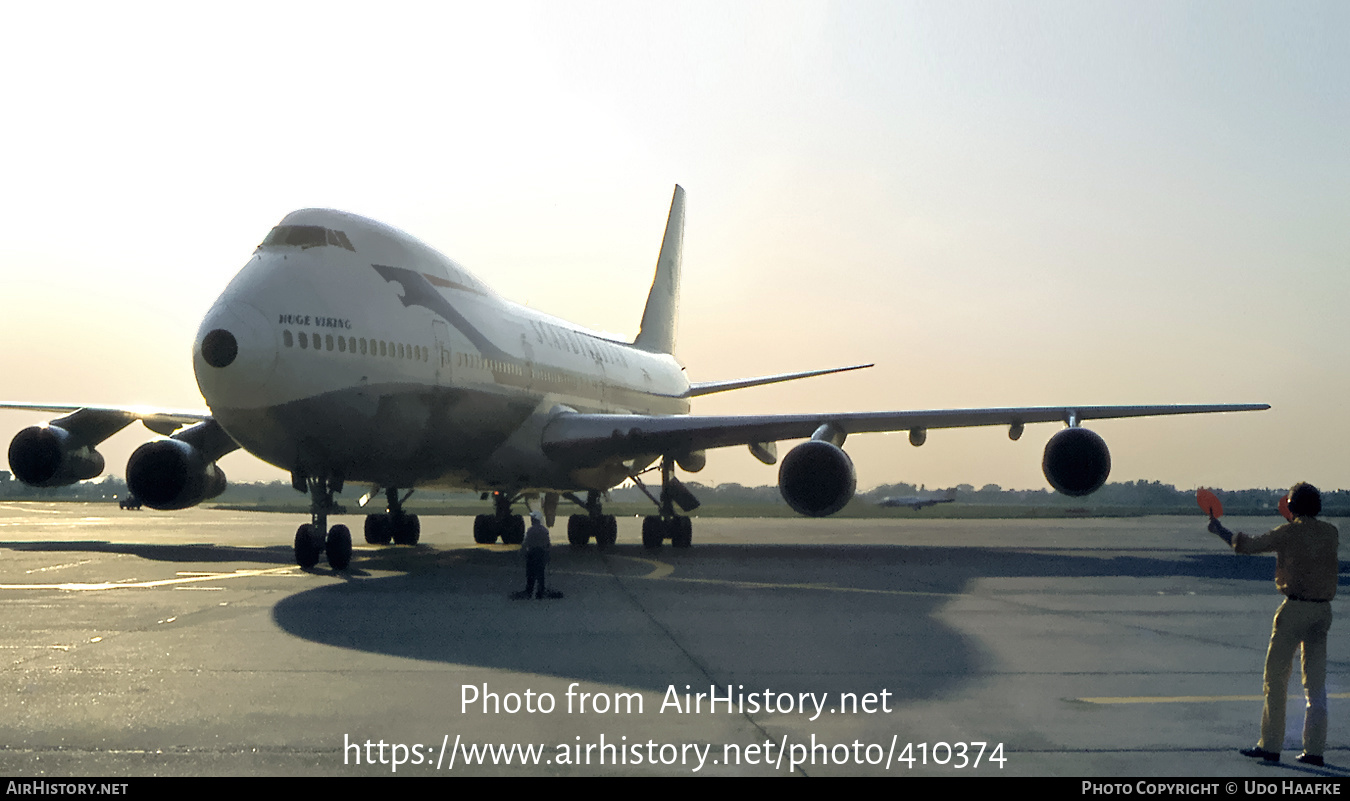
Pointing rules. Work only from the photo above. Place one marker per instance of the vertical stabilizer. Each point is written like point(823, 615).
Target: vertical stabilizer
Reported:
point(657, 333)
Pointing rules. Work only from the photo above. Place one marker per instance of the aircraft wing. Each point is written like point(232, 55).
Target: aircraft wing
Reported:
point(161, 421)
point(593, 439)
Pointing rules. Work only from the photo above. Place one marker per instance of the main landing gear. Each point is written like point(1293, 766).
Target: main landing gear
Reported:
point(580, 528)
point(656, 529)
point(667, 525)
point(310, 541)
point(396, 525)
point(501, 523)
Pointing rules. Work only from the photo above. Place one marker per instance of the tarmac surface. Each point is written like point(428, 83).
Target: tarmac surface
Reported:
point(188, 644)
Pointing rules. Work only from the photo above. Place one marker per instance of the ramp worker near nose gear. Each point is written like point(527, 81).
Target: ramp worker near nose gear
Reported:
point(535, 545)
point(1306, 571)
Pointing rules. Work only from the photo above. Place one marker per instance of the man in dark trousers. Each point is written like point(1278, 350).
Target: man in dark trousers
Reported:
point(535, 545)
point(1306, 571)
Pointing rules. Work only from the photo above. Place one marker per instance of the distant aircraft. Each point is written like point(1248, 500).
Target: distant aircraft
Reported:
point(917, 502)
point(348, 352)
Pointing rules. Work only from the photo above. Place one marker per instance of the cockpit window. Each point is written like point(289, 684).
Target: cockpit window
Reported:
point(307, 236)
point(339, 239)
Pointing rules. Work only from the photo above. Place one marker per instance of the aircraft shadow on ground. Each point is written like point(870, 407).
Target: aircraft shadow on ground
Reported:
point(192, 552)
point(807, 618)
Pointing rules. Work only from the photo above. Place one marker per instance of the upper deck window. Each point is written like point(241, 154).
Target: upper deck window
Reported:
point(307, 236)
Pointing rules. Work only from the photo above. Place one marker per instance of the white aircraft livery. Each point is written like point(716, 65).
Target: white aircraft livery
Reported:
point(348, 352)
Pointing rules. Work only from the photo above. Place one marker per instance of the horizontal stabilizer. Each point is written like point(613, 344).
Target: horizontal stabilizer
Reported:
point(709, 387)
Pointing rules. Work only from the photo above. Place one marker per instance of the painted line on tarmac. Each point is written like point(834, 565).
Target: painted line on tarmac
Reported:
point(58, 567)
point(768, 585)
point(188, 579)
point(23, 507)
point(1182, 699)
point(661, 571)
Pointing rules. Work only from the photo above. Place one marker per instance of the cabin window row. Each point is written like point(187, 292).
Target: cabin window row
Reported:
point(541, 376)
point(345, 344)
point(473, 360)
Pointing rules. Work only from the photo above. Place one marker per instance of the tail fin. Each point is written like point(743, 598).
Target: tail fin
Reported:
point(657, 333)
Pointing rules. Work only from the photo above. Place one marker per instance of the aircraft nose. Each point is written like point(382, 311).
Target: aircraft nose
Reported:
point(235, 355)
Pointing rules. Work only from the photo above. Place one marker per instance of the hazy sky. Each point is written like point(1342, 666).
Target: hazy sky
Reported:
point(998, 203)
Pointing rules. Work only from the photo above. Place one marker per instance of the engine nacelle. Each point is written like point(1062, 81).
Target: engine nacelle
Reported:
point(50, 456)
point(172, 474)
point(693, 461)
point(817, 479)
point(1076, 462)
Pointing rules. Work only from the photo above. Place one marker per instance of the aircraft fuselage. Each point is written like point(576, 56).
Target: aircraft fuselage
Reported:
point(362, 354)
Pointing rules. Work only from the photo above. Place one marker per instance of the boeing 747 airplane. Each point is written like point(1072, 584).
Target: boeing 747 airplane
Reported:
point(346, 352)
point(915, 502)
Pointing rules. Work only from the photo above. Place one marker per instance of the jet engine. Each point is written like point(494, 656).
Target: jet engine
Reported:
point(50, 456)
point(173, 474)
point(1076, 462)
point(816, 478)
point(692, 461)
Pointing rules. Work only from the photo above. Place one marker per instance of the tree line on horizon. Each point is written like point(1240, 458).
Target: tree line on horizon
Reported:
point(1140, 494)
point(1132, 494)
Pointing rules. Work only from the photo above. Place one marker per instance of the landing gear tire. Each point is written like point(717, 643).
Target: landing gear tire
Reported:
point(607, 532)
point(579, 530)
point(484, 529)
point(339, 547)
point(656, 530)
point(653, 532)
point(308, 546)
point(681, 532)
point(378, 530)
point(407, 529)
point(513, 533)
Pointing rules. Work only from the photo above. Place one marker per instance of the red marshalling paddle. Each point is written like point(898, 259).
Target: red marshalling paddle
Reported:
point(1212, 506)
point(1209, 502)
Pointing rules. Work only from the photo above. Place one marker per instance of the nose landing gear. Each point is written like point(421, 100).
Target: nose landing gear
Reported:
point(310, 541)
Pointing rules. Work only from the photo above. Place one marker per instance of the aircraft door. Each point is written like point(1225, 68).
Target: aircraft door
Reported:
point(528, 351)
point(602, 379)
point(442, 357)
